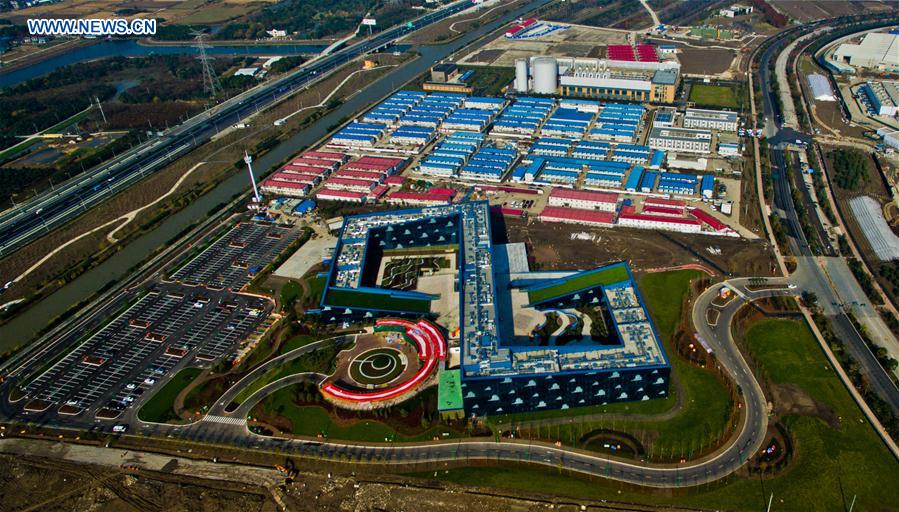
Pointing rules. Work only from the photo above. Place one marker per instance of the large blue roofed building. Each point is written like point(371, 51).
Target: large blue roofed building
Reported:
point(520, 340)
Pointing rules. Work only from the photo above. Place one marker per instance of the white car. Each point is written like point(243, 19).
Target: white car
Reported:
point(119, 428)
point(149, 381)
point(130, 385)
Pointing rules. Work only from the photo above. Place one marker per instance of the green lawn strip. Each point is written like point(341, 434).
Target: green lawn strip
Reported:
point(18, 148)
point(361, 299)
point(77, 118)
point(316, 287)
point(312, 420)
point(713, 96)
point(296, 342)
point(290, 292)
point(830, 467)
point(160, 407)
point(612, 275)
point(318, 360)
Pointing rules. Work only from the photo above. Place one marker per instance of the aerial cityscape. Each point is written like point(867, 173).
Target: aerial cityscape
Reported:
point(405, 255)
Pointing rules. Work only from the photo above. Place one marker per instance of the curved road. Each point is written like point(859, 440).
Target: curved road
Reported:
point(221, 427)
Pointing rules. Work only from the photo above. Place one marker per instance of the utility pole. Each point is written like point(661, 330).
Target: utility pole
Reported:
point(101, 110)
point(210, 82)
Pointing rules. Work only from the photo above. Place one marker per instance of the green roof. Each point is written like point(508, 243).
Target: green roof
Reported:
point(378, 301)
point(582, 281)
point(449, 390)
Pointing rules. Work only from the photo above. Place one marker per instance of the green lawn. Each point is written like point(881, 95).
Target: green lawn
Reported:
point(319, 360)
point(713, 96)
point(831, 466)
point(316, 287)
point(615, 274)
point(488, 80)
point(296, 342)
point(290, 292)
point(160, 407)
point(312, 420)
point(361, 299)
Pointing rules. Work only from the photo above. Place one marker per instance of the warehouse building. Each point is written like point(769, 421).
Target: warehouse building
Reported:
point(883, 97)
point(723, 120)
point(877, 50)
point(680, 139)
point(577, 216)
point(661, 222)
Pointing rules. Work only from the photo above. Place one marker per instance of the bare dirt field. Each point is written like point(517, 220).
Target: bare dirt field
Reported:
point(573, 41)
point(705, 61)
point(809, 10)
point(550, 247)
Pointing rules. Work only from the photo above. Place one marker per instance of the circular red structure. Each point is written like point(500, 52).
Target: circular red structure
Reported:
point(431, 347)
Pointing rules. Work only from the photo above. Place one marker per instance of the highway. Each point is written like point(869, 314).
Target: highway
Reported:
point(55, 207)
point(810, 275)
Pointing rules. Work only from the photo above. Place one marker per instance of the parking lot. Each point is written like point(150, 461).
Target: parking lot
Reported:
point(165, 329)
point(231, 261)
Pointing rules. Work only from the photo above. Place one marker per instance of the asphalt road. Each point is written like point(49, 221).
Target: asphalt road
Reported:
point(53, 208)
point(809, 273)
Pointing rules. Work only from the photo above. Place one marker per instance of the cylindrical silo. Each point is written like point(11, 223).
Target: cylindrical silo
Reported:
point(521, 75)
point(546, 75)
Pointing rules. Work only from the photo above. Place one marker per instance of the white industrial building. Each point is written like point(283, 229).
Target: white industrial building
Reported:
point(882, 96)
point(877, 50)
point(891, 139)
point(643, 81)
point(820, 86)
point(680, 139)
point(723, 120)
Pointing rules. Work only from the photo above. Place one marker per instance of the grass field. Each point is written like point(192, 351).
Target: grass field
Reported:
point(713, 96)
point(318, 360)
point(312, 420)
point(831, 466)
point(361, 299)
point(160, 407)
point(611, 275)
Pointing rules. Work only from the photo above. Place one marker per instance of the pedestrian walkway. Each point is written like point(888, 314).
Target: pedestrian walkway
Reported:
point(225, 420)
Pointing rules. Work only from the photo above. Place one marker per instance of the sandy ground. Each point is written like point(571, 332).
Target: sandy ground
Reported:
point(306, 257)
point(573, 41)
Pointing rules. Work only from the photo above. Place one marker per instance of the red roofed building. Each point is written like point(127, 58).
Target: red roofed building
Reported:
point(644, 221)
point(295, 178)
point(576, 216)
point(355, 185)
point(360, 175)
point(442, 191)
point(285, 188)
point(394, 180)
point(328, 194)
point(313, 162)
point(304, 169)
point(712, 222)
point(583, 199)
point(667, 203)
point(378, 192)
point(661, 210)
point(327, 155)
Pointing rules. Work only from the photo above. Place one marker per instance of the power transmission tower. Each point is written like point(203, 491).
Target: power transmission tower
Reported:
point(210, 82)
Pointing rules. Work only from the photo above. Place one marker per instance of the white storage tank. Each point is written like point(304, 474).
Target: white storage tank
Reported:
point(521, 75)
point(546, 75)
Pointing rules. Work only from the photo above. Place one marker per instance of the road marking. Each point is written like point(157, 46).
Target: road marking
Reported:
point(225, 420)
